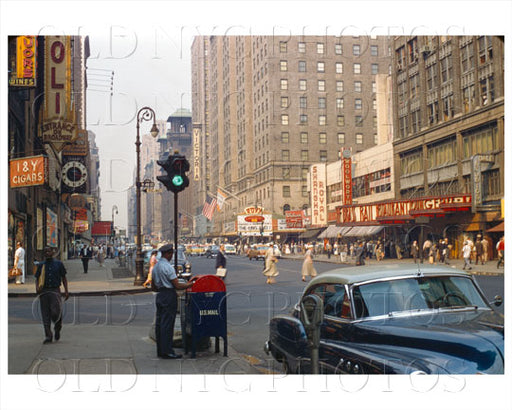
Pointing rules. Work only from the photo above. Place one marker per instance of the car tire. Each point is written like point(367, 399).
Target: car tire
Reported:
point(285, 367)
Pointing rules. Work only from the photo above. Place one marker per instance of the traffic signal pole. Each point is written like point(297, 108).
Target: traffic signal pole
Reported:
point(176, 233)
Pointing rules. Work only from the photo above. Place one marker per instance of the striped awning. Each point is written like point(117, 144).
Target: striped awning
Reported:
point(358, 231)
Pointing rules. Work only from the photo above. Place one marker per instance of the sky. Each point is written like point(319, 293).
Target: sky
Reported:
point(151, 68)
point(147, 46)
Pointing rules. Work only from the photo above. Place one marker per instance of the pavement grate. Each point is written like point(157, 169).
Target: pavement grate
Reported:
point(121, 273)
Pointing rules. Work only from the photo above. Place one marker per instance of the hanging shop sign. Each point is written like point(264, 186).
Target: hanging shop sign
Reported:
point(25, 73)
point(79, 147)
point(28, 171)
point(59, 126)
point(347, 176)
point(51, 228)
point(294, 219)
point(318, 195)
point(375, 212)
point(249, 228)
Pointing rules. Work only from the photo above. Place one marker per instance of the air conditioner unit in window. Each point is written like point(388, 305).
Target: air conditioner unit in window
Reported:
point(426, 49)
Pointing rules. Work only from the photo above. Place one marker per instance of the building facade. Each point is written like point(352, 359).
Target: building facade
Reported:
point(269, 107)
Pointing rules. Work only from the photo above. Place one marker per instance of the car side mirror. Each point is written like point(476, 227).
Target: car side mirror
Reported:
point(498, 301)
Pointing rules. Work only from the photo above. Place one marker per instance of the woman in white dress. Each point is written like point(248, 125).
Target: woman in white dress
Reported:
point(307, 267)
point(270, 265)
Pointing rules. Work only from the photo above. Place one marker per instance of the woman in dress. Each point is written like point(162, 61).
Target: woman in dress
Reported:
point(307, 267)
point(270, 265)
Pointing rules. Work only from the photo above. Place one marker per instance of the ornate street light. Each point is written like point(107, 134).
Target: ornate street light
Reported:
point(144, 114)
point(114, 207)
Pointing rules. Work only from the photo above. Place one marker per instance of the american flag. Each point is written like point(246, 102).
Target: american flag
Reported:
point(209, 207)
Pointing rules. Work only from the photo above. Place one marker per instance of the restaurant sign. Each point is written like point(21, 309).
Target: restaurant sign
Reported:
point(374, 212)
point(25, 74)
point(318, 195)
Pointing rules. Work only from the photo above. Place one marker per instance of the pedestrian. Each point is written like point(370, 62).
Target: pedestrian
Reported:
point(500, 247)
point(447, 250)
point(479, 250)
point(360, 254)
point(270, 270)
point(307, 266)
point(426, 248)
point(19, 263)
point(153, 260)
point(101, 255)
point(466, 254)
point(165, 282)
point(220, 261)
point(485, 245)
point(415, 250)
point(86, 255)
point(49, 276)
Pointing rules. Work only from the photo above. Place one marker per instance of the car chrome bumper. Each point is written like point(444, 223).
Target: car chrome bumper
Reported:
point(266, 347)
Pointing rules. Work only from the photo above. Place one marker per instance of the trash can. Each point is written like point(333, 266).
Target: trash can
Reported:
point(203, 313)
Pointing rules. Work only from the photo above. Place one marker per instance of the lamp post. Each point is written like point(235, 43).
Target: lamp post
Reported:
point(114, 207)
point(144, 114)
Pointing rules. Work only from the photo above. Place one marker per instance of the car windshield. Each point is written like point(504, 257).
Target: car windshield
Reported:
point(385, 297)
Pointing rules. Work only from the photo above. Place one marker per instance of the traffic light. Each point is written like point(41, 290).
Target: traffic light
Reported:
point(176, 166)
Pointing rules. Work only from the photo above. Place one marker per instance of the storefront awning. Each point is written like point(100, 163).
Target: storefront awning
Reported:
point(498, 228)
point(312, 233)
point(358, 231)
point(331, 232)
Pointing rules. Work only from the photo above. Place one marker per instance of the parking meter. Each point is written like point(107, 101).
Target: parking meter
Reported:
point(311, 316)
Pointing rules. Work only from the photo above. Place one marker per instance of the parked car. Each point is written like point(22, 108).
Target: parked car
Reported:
point(393, 320)
point(230, 249)
point(184, 266)
point(212, 251)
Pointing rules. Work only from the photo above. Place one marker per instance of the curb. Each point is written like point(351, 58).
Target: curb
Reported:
point(87, 293)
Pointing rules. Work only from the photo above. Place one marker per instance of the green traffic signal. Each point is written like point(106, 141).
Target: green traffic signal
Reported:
point(177, 180)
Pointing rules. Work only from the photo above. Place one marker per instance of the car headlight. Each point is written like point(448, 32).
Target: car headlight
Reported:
point(188, 267)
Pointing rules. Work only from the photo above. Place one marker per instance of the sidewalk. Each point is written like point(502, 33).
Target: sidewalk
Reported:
point(488, 269)
point(105, 349)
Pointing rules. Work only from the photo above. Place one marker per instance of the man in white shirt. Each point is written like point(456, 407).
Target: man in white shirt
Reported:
point(19, 263)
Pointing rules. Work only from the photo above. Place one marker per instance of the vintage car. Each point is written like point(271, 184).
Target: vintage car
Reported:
point(257, 252)
point(212, 251)
point(230, 249)
point(394, 319)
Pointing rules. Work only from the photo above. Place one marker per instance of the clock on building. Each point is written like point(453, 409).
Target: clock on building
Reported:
point(74, 175)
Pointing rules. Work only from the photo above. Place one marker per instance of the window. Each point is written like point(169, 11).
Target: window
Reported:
point(414, 86)
point(433, 113)
point(356, 49)
point(302, 47)
point(304, 155)
point(303, 118)
point(448, 109)
point(320, 67)
point(412, 49)
point(415, 121)
point(323, 156)
point(446, 69)
point(304, 189)
point(302, 85)
point(321, 85)
point(487, 90)
point(431, 77)
point(375, 69)
point(303, 102)
point(284, 102)
point(374, 87)
point(485, 49)
point(374, 51)
point(357, 68)
point(341, 138)
point(339, 68)
point(284, 119)
point(340, 120)
point(338, 49)
point(304, 174)
point(283, 65)
point(359, 138)
point(374, 104)
point(480, 140)
point(339, 86)
point(358, 86)
point(339, 103)
point(491, 183)
point(284, 84)
point(359, 121)
point(302, 66)
point(467, 57)
point(322, 101)
point(320, 48)
point(411, 163)
point(441, 153)
point(286, 173)
point(286, 191)
point(322, 138)
point(322, 120)
point(358, 104)
point(303, 137)
point(285, 155)
point(283, 46)
point(285, 137)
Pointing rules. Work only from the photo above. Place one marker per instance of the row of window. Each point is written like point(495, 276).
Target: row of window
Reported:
point(322, 103)
point(322, 120)
point(338, 67)
point(481, 140)
point(357, 50)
